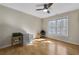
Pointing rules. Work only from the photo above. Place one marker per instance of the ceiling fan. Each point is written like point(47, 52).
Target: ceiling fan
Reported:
point(46, 7)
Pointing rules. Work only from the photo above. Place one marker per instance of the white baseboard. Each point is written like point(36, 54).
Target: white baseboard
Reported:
point(66, 41)
point(70, 42)
point(5, 46)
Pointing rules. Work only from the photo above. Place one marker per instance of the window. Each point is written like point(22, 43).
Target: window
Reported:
point(58, 27)
point(53, 27)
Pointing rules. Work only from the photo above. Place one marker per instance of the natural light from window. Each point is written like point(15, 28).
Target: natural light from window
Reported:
point(58, 27)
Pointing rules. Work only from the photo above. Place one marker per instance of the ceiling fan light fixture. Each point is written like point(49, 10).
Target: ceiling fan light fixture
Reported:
point(45, 10)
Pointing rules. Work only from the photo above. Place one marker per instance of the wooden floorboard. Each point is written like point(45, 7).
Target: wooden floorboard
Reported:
point(42, 46)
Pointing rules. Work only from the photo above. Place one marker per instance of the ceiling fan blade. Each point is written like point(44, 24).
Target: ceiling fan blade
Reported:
point(45, 6)
point(50, 4)
point(39, 9)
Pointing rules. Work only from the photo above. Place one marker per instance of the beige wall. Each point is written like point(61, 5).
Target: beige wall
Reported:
point(73, 26)
point(15, 21)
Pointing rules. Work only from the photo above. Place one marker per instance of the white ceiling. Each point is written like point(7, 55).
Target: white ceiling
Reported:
point(30, 8)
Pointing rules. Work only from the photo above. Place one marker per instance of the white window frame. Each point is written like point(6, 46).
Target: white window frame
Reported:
point(66, 17)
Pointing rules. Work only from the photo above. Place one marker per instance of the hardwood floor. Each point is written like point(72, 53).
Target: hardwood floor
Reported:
point(42, 47)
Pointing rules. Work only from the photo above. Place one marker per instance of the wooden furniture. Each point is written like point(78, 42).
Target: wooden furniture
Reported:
point(37, 35)
point(17, 39)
